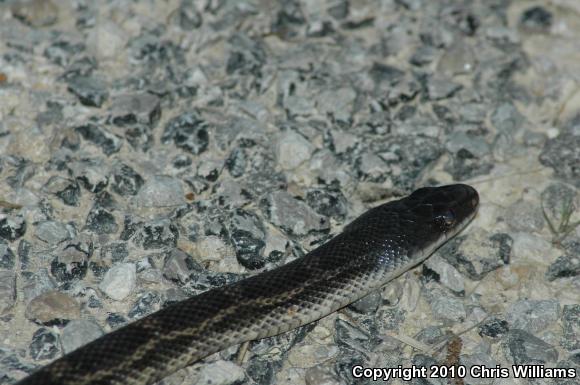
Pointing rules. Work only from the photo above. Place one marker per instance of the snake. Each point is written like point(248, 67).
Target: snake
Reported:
point(372, 250)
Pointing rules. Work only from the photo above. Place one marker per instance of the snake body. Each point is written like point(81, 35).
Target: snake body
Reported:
point(378, 246)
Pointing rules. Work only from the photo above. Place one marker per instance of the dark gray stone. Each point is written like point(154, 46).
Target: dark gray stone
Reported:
point(101, 137)
point(564, 267)
point(189, 132)
point(161, 191)
point(536, 19)
point(157, 234)
point(92, 173)
point(367, 304)
point(78, 333)
point(128, 109)
point(67, 190)
point(329, 202)
point(507, 119)
point(7, 290)
point(44, 345)
point(571, 327)
point(12, 227)
point(293, 215)
point(7, 257)
point(441, 88)
point(533, 316)
point(126, 181)
point(562, 154)
point(101, 221)
point(144, 305)
point(38, 283)
point(247, 235)
point(493, 327)
point(523, 348)
point(91, 91)
point(51, 232)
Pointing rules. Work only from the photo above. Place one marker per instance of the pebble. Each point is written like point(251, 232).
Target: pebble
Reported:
point(536, 19)
point(506, 118)
point(68, 270)
point(493, 327)
point(52, 306)
point(293, 150)
point(423, 55)
point(156, 234)
point(531, 247)
point(51, 232)
point(562, 154)
point(210, 169)
point(119, 281)
point(92, 173)
point(126, 181)
point(12, 227)
point(367, 304)
point(261, 371)
point(468, 255)
point(189, 132)
point(92, 92)
point(101, 137)
point(446, 307)
point(327, 202)
point(475, 145)
point(446, 274)
point(44, 345)
point(108, 41)
point(101, 221)
point(558, 200)
point(67, 190)
point(187, 16)
point(459, 58)
point(179, 266)
point(533, 316)
point(247, 236)
point(78, 333)
point(236, 162)
point(7, 257)
point(293, 215)
point(135, 108)
point(564, 267)
point(318, 375)
point(441, 88)
point(571, 327)
point(352, 337)
point(7, 290)
point(114, 252)
point(524, 216)
point(24, 248)
point(525, 348)
point(144, 305)
point(476, 361)
point(36, 13)
point(161, 191)
point(221, 373)
point(337, 103)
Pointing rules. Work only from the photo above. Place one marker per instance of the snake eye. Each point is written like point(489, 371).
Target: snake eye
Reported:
point(445, 220)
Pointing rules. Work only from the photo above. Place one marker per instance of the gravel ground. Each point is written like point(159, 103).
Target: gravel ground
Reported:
point(150, 150)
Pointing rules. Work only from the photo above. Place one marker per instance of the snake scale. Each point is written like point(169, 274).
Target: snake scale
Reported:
point(375, 248)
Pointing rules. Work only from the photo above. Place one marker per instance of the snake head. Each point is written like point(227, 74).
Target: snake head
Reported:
point(444, 210)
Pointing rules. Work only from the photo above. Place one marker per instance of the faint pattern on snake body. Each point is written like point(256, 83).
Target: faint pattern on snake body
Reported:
point(378, 246)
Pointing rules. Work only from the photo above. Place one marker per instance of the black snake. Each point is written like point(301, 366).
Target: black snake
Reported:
point(378, 246)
